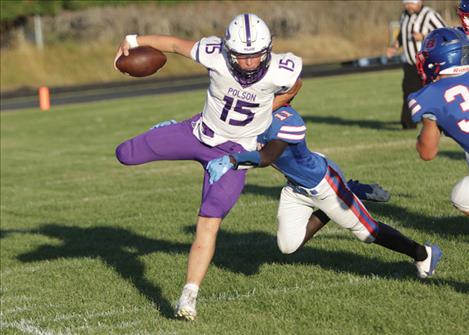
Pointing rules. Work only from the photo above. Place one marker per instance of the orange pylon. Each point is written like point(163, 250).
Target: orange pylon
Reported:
point(44, 98)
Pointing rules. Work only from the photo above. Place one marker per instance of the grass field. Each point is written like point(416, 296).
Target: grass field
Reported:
point(92, 247)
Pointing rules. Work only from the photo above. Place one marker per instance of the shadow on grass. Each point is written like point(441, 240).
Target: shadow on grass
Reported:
point(454, 155)
point(371, 124)
point(117, 247)
point(236, 252)
point(448, 226)
point(246, 253)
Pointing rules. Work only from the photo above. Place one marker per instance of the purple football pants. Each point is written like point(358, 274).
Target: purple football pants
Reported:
point(176, 142)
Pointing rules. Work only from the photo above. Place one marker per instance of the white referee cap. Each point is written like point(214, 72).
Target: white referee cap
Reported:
point(411, 1)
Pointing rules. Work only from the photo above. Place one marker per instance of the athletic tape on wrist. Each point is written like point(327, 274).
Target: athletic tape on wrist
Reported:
point(132, 40)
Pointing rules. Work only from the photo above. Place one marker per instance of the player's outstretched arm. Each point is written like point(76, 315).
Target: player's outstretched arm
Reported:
point(216, 168)
point(285, 98)
point(168, 44)
point(428, 140)
point(163, 43)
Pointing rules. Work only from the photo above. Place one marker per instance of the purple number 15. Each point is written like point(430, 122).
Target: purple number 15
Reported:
point(286, 64)
point(240, 107)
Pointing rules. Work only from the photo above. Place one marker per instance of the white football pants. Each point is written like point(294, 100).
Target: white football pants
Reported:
point(334, 198)
point(460, 193)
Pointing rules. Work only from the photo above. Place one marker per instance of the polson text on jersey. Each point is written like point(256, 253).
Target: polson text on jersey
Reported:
point(243, 95)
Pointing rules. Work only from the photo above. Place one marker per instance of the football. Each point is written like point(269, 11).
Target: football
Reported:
point(141, 62)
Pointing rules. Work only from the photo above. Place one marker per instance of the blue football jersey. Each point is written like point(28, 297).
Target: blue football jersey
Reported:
point(297, 163)
point(447, 102)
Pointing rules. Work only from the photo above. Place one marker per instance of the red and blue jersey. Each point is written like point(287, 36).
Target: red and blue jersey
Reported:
point(297, 163)
point(445, 101)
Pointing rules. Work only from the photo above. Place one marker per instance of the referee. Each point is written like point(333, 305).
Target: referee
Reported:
point(416, 22)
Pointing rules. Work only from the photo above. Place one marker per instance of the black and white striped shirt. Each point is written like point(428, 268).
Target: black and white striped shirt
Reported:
point(422, 22)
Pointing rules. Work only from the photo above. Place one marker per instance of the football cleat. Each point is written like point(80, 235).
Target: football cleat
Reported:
point(426, 268)
point(185, 308)
point(368, 192)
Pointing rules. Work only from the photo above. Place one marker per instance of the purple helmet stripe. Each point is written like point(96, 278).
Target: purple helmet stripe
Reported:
point(248, 29)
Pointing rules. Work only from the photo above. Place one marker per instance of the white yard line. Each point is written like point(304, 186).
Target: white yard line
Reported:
point(25, 326)
point(96, 314)
point(33, 307)
point(28, 327)
point(16, 298)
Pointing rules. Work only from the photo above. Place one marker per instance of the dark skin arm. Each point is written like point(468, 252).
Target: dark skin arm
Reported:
point(269, 153)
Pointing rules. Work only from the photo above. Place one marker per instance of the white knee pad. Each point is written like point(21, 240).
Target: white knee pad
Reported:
point(460, 195)
point(288, 245)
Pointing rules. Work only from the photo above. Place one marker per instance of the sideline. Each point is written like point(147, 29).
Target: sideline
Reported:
point(27, 98)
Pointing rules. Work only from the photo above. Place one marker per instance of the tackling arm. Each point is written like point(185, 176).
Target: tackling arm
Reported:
point(428, 140)
point(269, 153)
point(216, 168)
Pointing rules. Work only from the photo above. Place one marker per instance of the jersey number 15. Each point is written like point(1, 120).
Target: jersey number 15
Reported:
point(241, 107)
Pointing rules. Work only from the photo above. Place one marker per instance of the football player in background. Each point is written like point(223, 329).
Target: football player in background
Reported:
point(313, 181)
point(417, 21)
point(463, 13)
point(443, 104)
point(247, 80)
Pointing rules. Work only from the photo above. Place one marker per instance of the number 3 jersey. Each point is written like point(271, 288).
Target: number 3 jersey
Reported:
point(445, 101)
point(236, 113)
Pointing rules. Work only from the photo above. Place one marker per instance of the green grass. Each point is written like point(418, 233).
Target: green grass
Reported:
point(92, 247)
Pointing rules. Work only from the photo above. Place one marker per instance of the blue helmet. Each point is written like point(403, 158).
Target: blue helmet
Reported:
point(464, 6)
point(444, 51)
point(463, 12)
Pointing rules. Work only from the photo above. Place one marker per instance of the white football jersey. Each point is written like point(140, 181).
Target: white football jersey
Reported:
point(234, 113)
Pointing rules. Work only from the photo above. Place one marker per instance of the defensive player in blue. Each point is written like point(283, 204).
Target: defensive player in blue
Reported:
point(443, 104)
point(316, 182)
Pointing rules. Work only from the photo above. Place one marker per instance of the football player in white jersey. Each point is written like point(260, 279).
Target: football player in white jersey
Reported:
point(247, 81)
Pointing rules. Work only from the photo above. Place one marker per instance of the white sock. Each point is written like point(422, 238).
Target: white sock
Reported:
point(193, 287)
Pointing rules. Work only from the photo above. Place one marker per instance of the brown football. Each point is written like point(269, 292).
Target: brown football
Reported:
point(141, 62)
